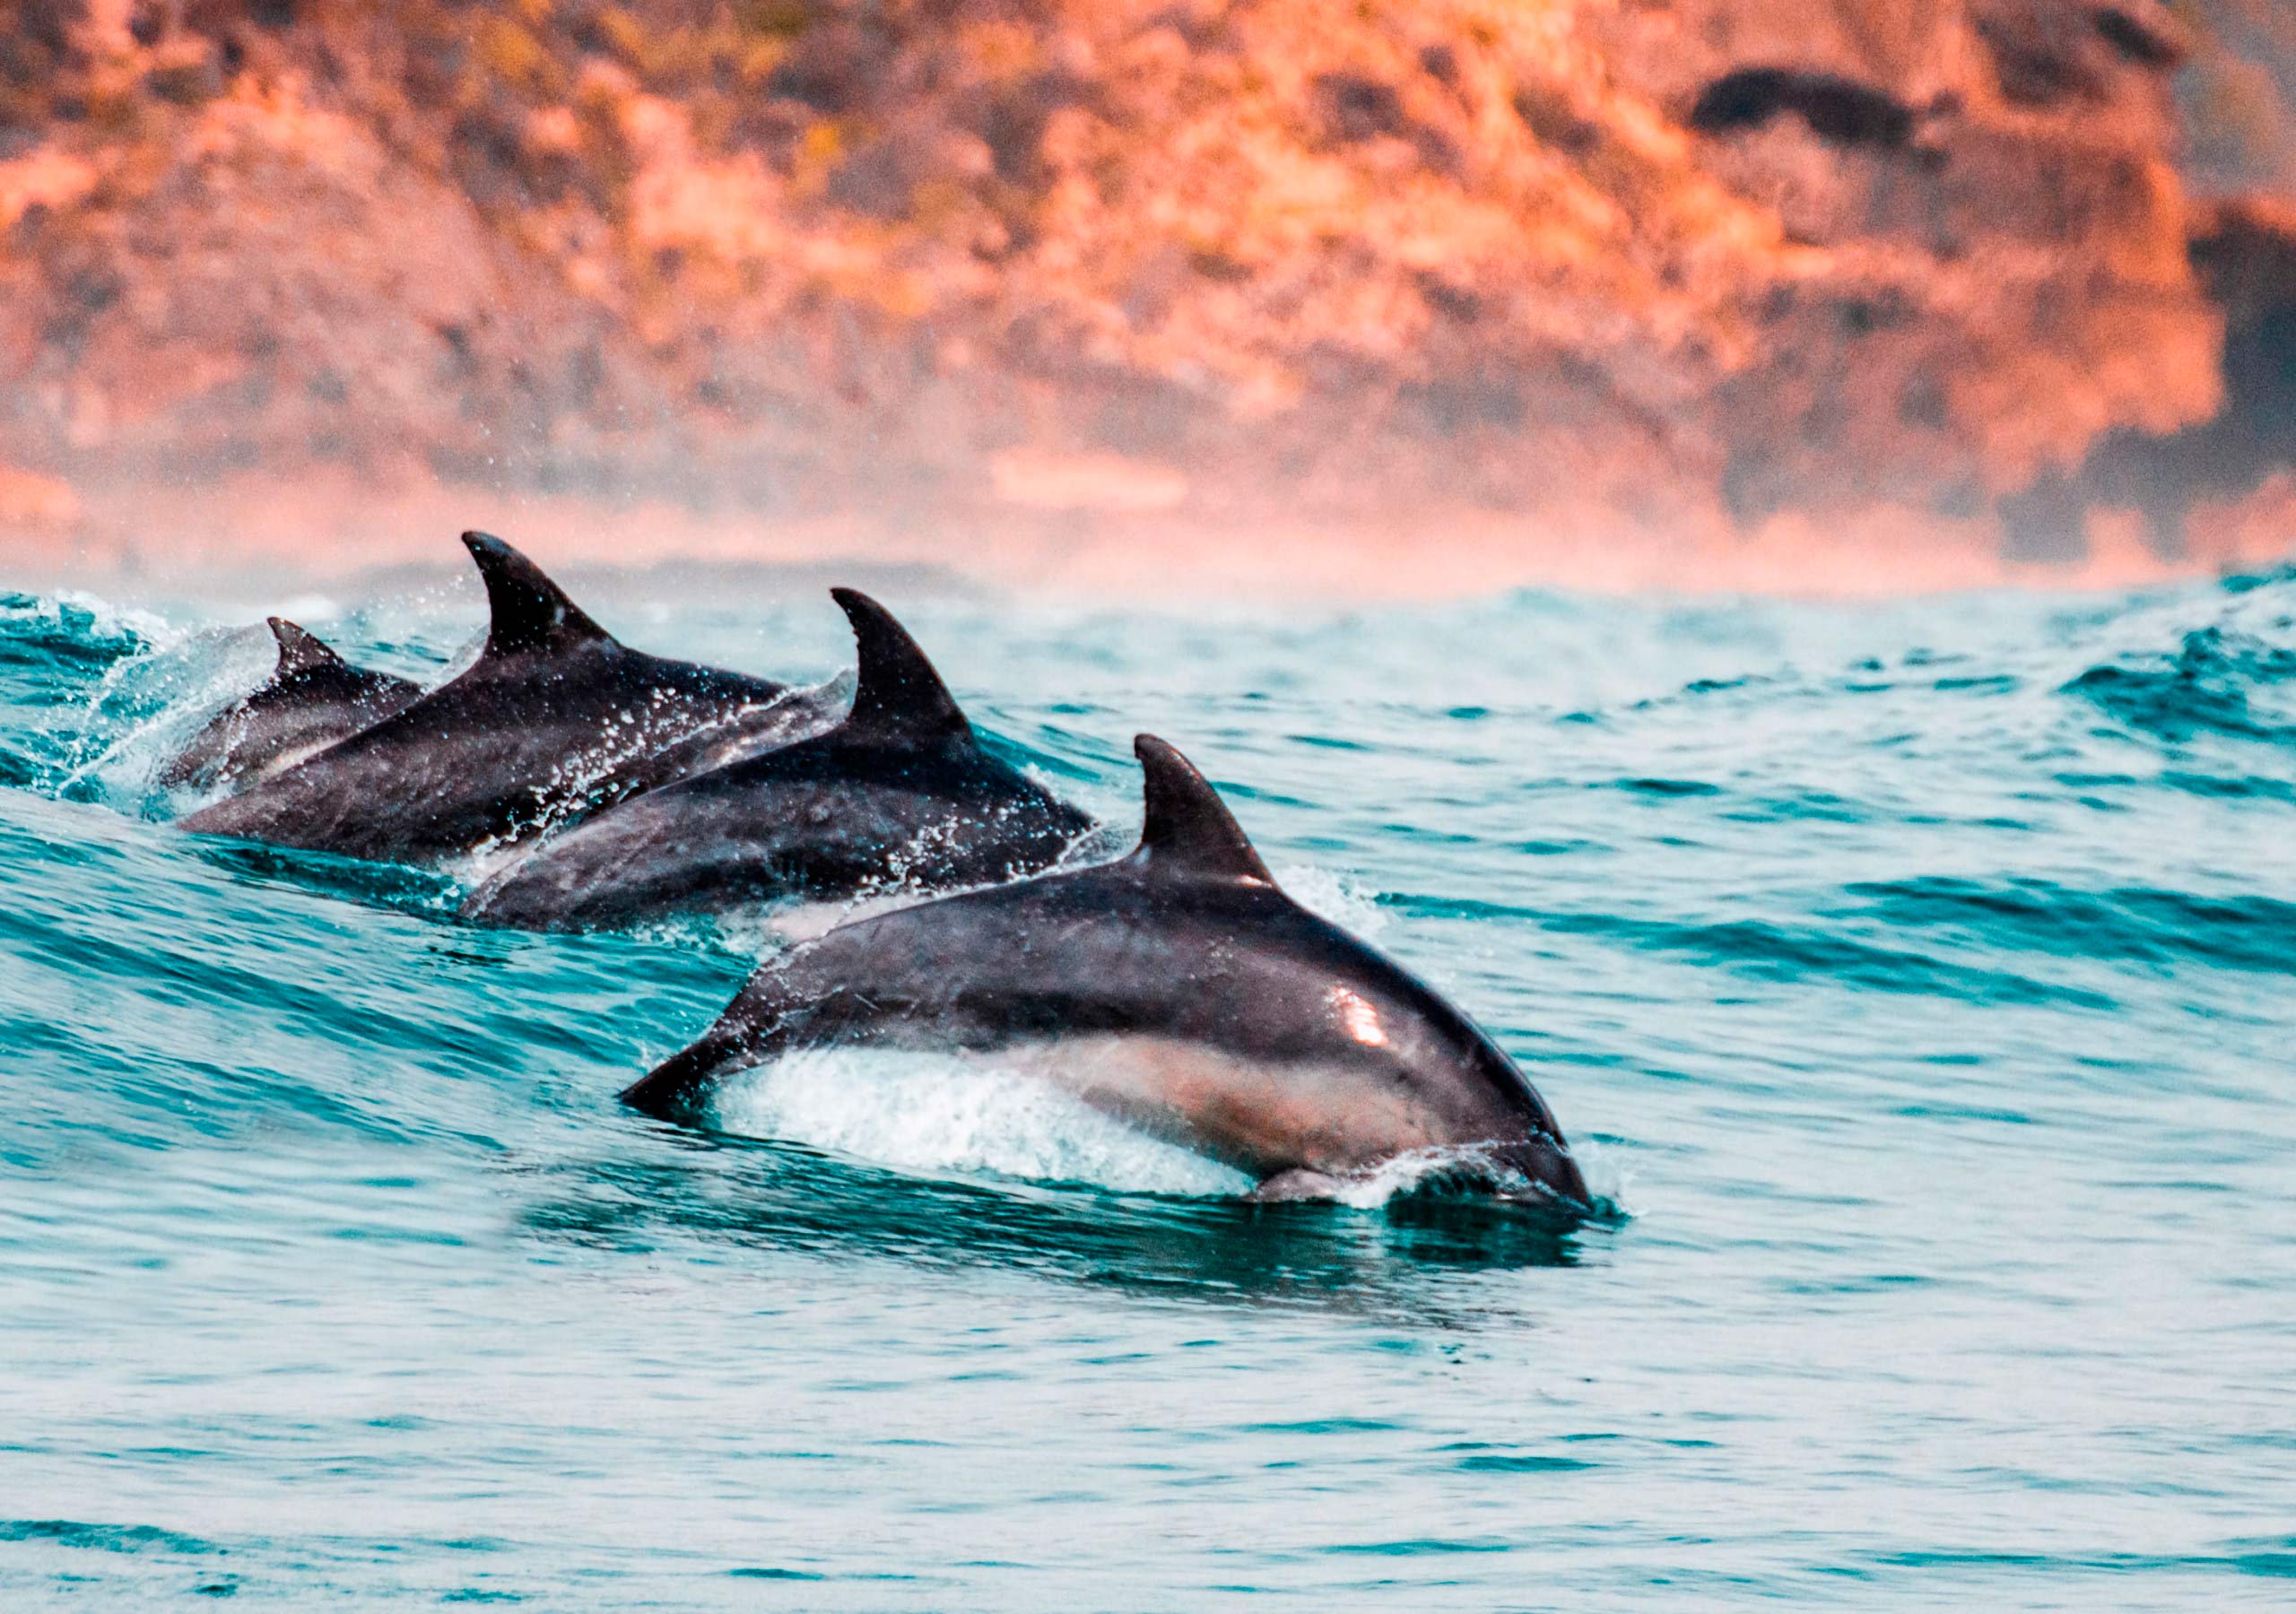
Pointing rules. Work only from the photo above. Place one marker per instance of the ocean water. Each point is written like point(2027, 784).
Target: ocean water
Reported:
point(1916, 980)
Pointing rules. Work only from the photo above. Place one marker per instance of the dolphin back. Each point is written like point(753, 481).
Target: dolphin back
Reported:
point(899, 795)
point(554, 720)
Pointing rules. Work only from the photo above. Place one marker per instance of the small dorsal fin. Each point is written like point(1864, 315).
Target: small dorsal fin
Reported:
point(1187, 828)
point(300, 650)
point(896, 695)
point(526, 610)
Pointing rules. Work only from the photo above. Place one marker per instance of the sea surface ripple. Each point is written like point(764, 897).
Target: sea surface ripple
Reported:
point(1916, 978)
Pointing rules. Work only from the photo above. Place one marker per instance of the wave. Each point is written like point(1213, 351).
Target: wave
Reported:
point(2214, 662)
point(2129, 926)
point(655, 1186)
point(1778, 951)
point(2209, 685)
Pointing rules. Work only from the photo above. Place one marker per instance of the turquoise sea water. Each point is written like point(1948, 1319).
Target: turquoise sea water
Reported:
point(1916, 979)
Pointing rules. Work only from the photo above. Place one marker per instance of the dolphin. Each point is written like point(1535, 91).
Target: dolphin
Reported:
point(555, 719)
point(899, 795)
point(1178, 989)
point(312, 699)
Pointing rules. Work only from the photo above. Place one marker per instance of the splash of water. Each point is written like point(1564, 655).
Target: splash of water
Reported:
point(932, 1113)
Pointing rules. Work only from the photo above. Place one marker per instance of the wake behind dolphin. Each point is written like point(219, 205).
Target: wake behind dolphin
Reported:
point(1178, 989)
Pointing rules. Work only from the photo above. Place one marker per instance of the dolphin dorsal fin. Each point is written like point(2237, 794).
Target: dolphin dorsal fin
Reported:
point(526, 610)
point(301, 651)
point(1187, 828)
point(896, 695)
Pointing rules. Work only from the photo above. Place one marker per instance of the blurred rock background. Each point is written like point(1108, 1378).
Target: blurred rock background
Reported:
point(1828, 294)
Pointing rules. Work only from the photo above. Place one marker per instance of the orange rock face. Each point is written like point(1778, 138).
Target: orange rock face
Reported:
point(1715, 277)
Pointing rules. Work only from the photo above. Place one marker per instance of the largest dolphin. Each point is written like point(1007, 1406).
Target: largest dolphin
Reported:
point(899, 794)
point(555, 719)
point(1176, 988)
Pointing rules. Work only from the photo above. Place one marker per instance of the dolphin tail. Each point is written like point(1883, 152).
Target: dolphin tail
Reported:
point(673, 1089)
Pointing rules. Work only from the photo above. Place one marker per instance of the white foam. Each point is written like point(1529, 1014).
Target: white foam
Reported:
point(1401, 1174)
point(1608, 1179)
point(118, 621)
point(149, 704)
point(975, 1115)
point(935, 1113)
point(1338, 898)
point(1406, 1173)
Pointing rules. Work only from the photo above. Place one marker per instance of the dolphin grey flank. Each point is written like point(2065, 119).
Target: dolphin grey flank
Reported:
point(555, 719)
point(312, 699)
point(1176, 988)
point(899, 795)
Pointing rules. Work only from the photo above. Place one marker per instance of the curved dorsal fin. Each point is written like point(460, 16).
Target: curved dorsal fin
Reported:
point(527, 610)
point(896, 695)
point(1188, 828)
point(299, 651)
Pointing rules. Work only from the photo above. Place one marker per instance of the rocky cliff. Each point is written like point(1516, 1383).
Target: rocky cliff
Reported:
point(1688, 280)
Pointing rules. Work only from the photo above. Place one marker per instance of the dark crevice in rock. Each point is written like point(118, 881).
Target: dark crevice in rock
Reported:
point(1839, 111)
point(2146, 35)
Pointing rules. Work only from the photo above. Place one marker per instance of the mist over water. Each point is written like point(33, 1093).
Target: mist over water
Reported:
point(1913, 976)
